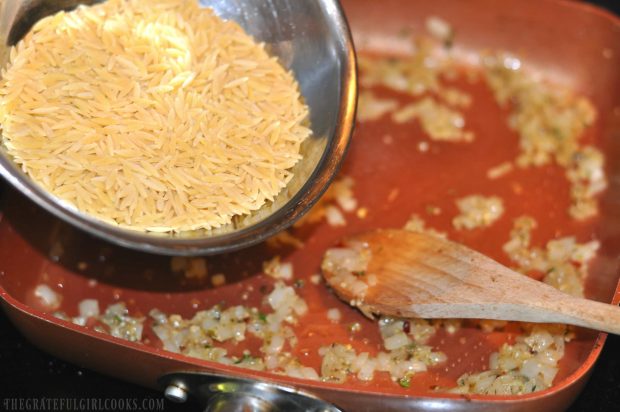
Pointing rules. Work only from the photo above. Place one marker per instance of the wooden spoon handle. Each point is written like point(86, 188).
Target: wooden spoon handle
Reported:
point(583, 312)
point(560, 308)
point(527, 300)
point(427, 277)
point(541, 304)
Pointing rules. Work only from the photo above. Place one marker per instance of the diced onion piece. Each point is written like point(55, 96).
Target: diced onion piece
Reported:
point(89, 308)
point(334, 315)
point(439, 28)
point(48, 297)
point(334, 216)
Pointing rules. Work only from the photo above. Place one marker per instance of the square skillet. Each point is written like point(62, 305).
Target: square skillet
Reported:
point(571, 43)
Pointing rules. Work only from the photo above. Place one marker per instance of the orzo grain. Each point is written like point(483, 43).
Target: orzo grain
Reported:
point(154, 116)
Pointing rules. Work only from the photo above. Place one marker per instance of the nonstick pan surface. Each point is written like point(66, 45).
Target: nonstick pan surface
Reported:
point(569, 43)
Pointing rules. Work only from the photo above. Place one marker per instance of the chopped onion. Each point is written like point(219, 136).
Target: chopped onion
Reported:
point(439, 28)
point(396, 341)
point(48, 297)
point(334, 216)
point(89, 308)
point(286, 271)
point(163, 334)
point(158, 316)
point(334, 315)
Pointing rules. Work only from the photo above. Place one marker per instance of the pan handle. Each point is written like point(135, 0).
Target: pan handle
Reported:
point(219, 393)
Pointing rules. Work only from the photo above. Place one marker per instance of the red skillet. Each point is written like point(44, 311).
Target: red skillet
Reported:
point(569, 42)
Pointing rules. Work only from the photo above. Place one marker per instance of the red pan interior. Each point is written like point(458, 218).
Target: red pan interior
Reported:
point(570, 43)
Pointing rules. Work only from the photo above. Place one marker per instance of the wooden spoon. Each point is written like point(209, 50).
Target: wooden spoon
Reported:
point(418, 275)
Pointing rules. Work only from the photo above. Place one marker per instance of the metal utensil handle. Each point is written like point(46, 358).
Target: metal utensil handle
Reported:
point(220, 393)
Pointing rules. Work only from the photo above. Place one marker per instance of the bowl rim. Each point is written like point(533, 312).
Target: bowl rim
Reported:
point(293, 209)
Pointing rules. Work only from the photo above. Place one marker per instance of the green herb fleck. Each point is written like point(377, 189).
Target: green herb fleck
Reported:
point(245, 358)
point(299, 283)
point(405, 381)
point(433, 210)
point(359, 273)
point(262, 316)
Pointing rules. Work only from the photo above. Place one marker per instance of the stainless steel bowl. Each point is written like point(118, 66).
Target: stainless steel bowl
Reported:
point(311, 37)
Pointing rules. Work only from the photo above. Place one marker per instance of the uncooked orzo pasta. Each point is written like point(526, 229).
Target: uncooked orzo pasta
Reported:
point(154, 116)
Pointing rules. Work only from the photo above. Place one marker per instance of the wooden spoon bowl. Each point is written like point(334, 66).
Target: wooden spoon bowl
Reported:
point(418, 275)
